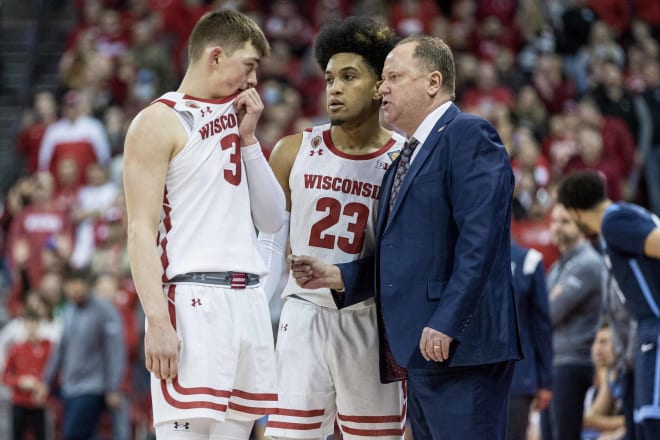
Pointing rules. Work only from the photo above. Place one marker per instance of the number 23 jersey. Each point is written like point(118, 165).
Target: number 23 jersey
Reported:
point(334, 196)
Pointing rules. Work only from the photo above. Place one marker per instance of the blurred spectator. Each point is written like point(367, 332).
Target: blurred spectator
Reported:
point(93, 203)
point(530, 225)
point(613, 99)
point(75, 135)
point(462, 25)
point(408, 17)
point(575, 27)
point(554, 89)
point(508, 71)
point(603, 407)
point(68, 176)
point(618, 143)
point(528, 159)
point(107, 286)
point(15, 331)
point(33, 126)
point(591, 156)
point(491, 37)
point(601, 47)
point(531, 388)
point(116, 124)
point(111, 39)
point(529, 112)
point(286, 23)
point(83, 68)
point(37, 232)
point(487, 92)
point(110, 252)
point(90, 358)
point(560, 145)
point(575, 284)
point(150, 55)
point(89, 19)
point(25, 365)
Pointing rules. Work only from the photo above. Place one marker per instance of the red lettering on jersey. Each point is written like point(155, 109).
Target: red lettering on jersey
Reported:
point(312, 180)
point(327, 182)
point(218, 125)
point(337, 184)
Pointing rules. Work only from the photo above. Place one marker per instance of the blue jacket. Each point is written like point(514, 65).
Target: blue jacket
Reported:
point(442, 256)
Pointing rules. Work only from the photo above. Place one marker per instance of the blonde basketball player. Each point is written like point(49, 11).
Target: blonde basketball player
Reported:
point(197, 185)
point(327, 357)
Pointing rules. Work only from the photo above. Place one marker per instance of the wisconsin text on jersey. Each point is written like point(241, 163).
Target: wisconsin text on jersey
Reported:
point(339, 184)
point(218, 125)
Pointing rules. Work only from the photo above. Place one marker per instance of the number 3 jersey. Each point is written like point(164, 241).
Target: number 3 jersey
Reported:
point(206, 221)
point(334, 197)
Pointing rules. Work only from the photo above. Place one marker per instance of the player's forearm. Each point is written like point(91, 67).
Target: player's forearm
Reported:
point(146, 272)
point(266, 196)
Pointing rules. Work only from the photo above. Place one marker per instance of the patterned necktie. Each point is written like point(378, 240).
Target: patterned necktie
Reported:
point(402, 169)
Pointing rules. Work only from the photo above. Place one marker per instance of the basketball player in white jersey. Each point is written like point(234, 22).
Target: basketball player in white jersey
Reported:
point(197, 185)
point(327, 357)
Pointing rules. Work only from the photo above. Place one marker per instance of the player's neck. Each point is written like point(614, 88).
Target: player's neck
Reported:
point(194, 84)
point(365, 136)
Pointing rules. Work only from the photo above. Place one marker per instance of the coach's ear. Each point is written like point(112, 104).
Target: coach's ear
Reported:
point(434, 83)
point(377, 95)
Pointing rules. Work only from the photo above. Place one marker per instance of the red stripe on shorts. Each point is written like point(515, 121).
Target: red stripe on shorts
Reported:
point(296, 426)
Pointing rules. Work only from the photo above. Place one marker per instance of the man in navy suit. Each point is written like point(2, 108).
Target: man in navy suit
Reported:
point(443, 256)
point(442, 263)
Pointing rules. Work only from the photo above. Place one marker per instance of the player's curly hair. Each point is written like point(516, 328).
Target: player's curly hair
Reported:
point(358, 34)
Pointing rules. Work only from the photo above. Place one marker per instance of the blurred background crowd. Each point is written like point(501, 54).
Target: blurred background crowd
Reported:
point(569, 84)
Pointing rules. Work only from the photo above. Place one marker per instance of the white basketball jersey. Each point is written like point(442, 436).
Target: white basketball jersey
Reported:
point(206, 222)
point(334, 197)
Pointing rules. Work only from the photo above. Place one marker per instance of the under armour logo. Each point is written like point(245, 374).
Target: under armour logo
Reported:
point(319, 151)
point(284, 327)
point(208, 110)
point(196, 302)
point(178, 426)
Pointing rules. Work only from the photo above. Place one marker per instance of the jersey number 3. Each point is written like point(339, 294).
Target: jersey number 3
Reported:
point(234, 142)
point(333, 208)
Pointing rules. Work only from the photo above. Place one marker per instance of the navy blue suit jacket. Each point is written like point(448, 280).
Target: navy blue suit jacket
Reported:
point(535, 370)
point(442, 256)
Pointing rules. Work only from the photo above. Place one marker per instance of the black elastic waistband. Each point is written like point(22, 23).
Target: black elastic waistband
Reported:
point(233, 280)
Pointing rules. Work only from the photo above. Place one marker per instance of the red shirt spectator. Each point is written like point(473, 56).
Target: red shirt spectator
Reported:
point(25, 364)
point(80, 137)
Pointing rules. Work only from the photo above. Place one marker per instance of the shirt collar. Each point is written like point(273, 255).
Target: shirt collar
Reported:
point(424, 129)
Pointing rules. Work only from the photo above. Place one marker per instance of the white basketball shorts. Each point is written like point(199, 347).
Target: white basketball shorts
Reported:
point(227, 355)
point(327, 368)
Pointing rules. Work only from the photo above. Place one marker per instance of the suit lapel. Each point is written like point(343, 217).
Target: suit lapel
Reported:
point(383, 204)
point(422, 155)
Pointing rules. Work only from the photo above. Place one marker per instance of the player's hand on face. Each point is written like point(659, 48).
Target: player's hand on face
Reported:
point(312, 273)
point(249, 107)
point(161, 347)
point(434, 345)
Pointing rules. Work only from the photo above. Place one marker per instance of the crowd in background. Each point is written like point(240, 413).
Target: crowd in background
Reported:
point(569, 85)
